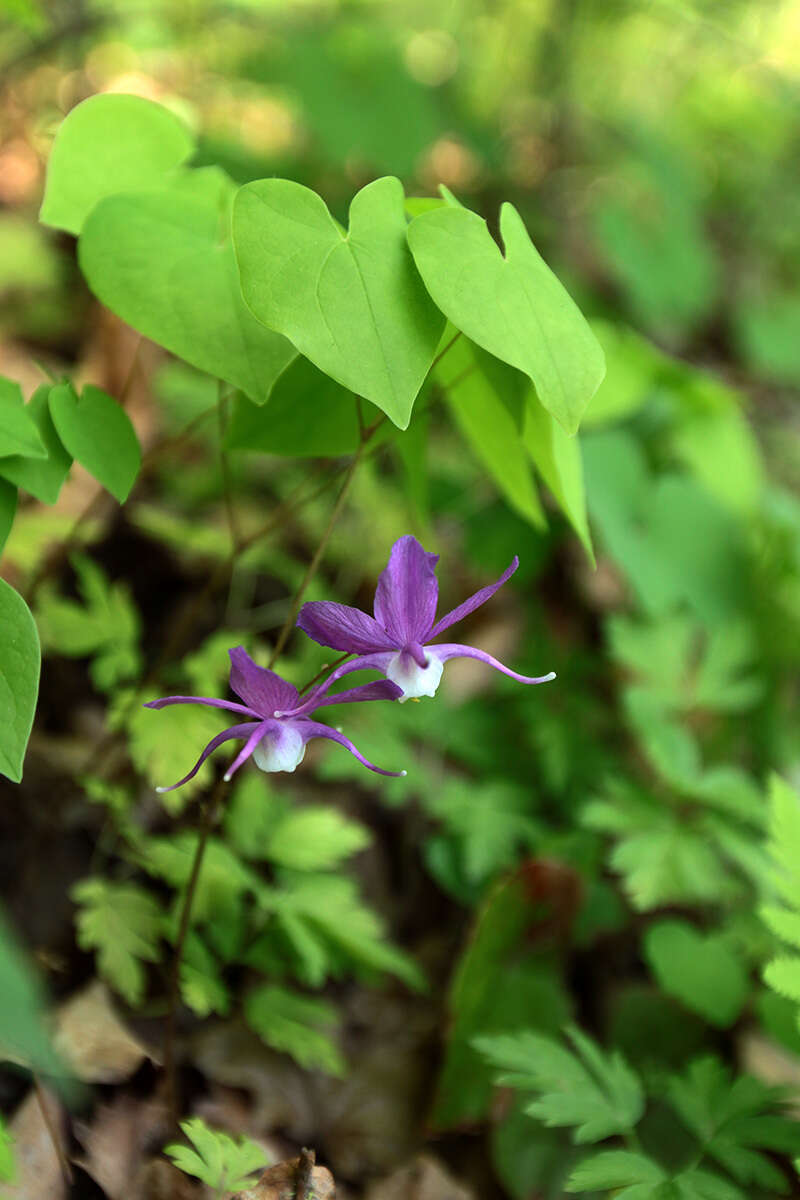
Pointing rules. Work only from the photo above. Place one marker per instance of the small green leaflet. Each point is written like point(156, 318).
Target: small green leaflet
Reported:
point(163, 262)
point(42, 477)
point(8, 1169)
point(314, 839)
point(98, 433)
point(615, 1169)
point(297, 1025)
point(202, 987)
point(352, 303)
point(109, 143)
point(20, 659)
point(220, 1161)
point(782, 974)
point(18, 431)
point(734, 1120)
point(123, 924)
point(8, 510)
point(223, 875)
point(105, 625)
point(512, 306)
point(596, 1092)
point(23, 1030)
point(702, 972)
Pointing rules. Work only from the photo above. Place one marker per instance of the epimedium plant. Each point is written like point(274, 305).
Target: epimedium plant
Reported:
point(329, 342)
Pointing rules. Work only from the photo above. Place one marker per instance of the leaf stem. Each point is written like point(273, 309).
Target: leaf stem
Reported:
point(42, 1101)
point(169, 1065)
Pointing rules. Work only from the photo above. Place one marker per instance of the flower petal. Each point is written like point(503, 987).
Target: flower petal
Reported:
point(380, 689)
point(263, 690)
point(407, 593)
point(364, 662)
point(227, 704)
point(475, 601)
point(447, 650)
point(315, 729)
point(342, 627)
point(247, 749)
point(235, 731)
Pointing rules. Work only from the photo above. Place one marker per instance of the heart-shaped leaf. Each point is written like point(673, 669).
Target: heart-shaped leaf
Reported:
point(353, 303)
point(18, 432)
point(512, 306)
point(19, 679)
point(107, 144)
point(42, 477)
point(702, 972)
point(98, 433)
point(163, 262)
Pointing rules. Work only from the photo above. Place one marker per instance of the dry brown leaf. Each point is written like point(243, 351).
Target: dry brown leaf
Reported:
point(39, 1173)
point(282, 1182)
point(424, 1179)
point(120, 1137)
point(92, 1039)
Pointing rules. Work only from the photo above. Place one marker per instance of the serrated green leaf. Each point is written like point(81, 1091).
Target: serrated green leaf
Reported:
point(98, 433)
point(106, 144)
point(297, 1025)
point(202, 988)
point(351, 303)
point(20, 660)
point(124, 925)
point(42, 477)
point(222, 874)
point(480, 396)
point(314, 839)
point(702, 972)
point(490, 821)
point(18, 431)
point(614, 1169)
point(224, 1163)
point(594, 1091)
point(164, 745)
point(163, 262)
point(782, 974)
point(512, 306)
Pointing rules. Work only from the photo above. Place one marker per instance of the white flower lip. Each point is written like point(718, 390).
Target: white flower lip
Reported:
point(413, 679)
point(280, 750)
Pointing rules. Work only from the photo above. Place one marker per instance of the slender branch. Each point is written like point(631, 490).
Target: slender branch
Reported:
point(323, 670)
point(442, 353)
point(41, 1100)
point(288, 624)
point(169, 1064)
point(303, 1174)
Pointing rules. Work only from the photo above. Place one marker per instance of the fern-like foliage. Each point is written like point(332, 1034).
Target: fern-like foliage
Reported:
point(221, 1162)
point(782, 914)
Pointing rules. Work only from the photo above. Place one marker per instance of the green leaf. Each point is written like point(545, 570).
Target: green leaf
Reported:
point(8, 1170)
point(352, 303)
point(558, 460)
point(490, 821)
point(163, 261)
point(596, 1092)
point(297, 1025)
point(531, 994)
point(220, 1161)
point(734, 1121)
point(42, 477)
point(98, 433)
point(512, 306)
point(8, 510)
point(106, 625)
point(123, 924)
point(699, 1185)
point(222, 874)
point(18, 431)
point(309, 415)
point(614, 1169)
point(107, 144)
point(314, 839)
point(202, 988)
point(20, 660)
point(164, 745)
point(479, 395)
point(701, 972)
point(24, 1036)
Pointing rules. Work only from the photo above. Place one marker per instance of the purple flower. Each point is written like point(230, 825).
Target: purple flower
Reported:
point(277, 738)
point(396, 641)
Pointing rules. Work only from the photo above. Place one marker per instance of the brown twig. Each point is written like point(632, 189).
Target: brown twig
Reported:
point(323, 669)
point(41, 1100)
point(302, 1176)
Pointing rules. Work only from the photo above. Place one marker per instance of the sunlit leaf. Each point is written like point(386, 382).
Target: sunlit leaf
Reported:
point(20, 658)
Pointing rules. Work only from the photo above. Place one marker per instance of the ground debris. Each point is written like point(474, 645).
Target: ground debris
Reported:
point(424, 1179)
point(296, 1179)
point(92, 1039)
point(38, 1171)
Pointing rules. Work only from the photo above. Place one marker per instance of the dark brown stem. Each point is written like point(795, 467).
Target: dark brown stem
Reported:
point(169, 1064)
point(442, 353)
point(41, 1100)
point(323, 670)
point(303, 1173)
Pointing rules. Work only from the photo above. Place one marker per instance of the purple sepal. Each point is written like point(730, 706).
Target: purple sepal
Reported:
point(407, 593)
point(447, 650)
point(475, 601)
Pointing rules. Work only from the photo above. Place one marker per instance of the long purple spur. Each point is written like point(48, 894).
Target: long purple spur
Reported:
point(397, 640)
point(277, 737)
